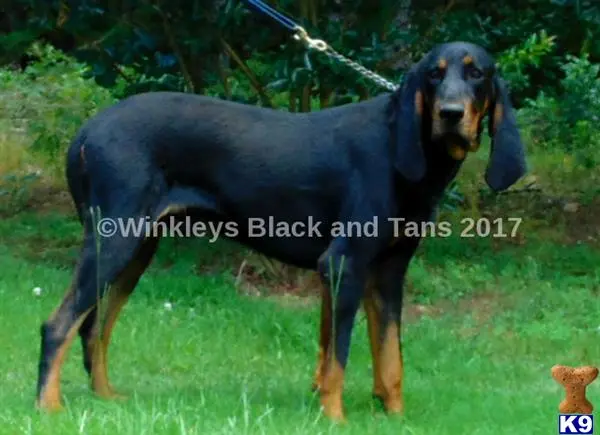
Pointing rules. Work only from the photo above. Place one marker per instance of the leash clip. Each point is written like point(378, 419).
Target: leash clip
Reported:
point(316, 44)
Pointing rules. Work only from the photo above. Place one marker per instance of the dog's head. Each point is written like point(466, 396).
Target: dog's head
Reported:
point(441, 104)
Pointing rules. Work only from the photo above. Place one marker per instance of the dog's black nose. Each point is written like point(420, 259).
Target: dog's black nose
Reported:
point(452, 112)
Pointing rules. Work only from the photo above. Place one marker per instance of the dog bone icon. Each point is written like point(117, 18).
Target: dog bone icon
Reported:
point(575, 380)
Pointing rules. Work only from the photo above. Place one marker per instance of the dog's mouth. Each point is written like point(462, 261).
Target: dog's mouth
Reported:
point(459, 139)
point(458, 145)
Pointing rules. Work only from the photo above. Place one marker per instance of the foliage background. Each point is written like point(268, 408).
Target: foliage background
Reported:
point(64, 60)
point(482, 315)
point(201, 44)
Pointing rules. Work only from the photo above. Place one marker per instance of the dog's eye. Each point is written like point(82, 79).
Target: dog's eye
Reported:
point(474, 73)
point(436, 74)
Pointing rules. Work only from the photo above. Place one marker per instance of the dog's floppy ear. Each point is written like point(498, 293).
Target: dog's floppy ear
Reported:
point(409, 106)
point(507, 158)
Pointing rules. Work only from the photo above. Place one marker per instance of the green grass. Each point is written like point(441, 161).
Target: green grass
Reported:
point(502, 312)
point(222, 362)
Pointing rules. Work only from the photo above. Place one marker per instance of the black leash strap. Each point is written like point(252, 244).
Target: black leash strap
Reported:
point(300, 34)
point(277, 16)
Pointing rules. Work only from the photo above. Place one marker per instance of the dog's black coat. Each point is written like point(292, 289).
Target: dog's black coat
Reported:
point(246, 162)
point(225, 161)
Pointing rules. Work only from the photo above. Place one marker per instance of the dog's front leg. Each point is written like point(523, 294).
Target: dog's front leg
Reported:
point(385, 318)
point(344, 276)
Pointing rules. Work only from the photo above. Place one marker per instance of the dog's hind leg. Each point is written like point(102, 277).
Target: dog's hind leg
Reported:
point(95, 332)
point(97, 339)
point(57, 333)
point(325, 330)
point(98, 267)
point(84, 332)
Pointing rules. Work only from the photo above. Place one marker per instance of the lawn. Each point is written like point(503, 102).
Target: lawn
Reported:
point(208, 346)
point(486, 319)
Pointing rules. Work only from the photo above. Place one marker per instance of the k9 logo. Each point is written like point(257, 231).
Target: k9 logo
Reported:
point(575, 424)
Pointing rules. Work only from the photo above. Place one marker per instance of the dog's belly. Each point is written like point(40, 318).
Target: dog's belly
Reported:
point(295, 230)
point(296, 234)
point(299, 252)
point(298, 243)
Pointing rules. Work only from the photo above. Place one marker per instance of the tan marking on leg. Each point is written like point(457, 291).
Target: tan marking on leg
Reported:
point(467, 60)
point(117, 296)
point(99, 347)
point(443, 63)
point(329, 376)
point(331, 390)
point(372, 310)
point(61, 324)
point(324, 335)
point(50, 394)
point(392, 369)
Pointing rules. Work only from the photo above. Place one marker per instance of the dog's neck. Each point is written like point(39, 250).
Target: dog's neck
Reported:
point(441, 167)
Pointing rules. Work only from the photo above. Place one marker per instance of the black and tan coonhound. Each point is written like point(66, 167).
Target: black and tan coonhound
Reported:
point(165, 154)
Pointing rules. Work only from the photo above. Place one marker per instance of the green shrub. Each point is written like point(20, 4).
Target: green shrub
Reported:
point(15, 191)
point(517, 62)
point(568, 121)
point(49, 101)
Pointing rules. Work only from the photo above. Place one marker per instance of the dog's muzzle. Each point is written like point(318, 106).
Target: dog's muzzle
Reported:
point(452, 113)
point(454, 127)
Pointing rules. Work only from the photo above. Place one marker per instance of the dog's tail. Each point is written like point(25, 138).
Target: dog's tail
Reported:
point(76, 173)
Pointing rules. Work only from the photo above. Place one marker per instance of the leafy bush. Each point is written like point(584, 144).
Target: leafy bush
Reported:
point(15, 191)
point(50, 100)
point(569, 120)
point(516, 62)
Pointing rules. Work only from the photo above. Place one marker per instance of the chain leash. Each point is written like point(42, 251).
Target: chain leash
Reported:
point(323, 47)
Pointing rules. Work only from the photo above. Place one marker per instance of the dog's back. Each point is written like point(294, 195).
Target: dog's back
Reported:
point(230, 159)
